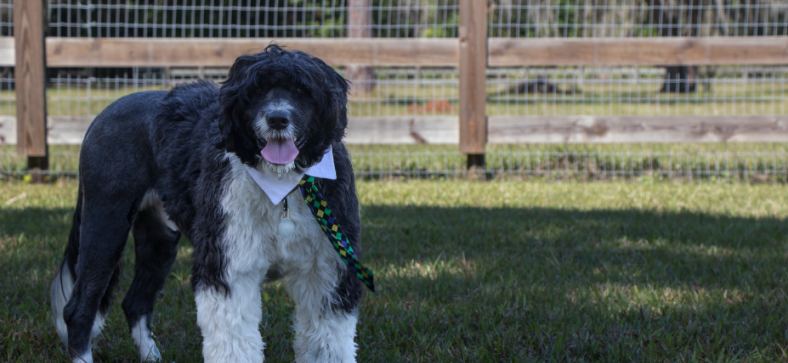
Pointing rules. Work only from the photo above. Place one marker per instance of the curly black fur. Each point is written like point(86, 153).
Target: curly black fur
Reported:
point(252, 75)
point(179, 145)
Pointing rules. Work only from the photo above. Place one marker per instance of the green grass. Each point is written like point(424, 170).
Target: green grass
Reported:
point(482, 272)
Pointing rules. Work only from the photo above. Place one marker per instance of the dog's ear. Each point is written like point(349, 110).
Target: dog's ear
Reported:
point(234, 134)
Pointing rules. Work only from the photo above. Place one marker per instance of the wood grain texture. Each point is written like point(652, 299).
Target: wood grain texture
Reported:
point(473, 76)
point(61, 130)
point(7, 52)
point(636, 129)
point(7, 130)
point(403, 130)
point(66, 130)
point(215, 52)
point(208, 52)
point(638, 51)
point(70, 130)
point(29, 74)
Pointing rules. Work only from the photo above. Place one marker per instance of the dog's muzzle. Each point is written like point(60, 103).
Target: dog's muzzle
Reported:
point(280, 147)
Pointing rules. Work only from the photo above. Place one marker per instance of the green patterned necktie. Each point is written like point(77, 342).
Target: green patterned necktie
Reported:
point(331, 226)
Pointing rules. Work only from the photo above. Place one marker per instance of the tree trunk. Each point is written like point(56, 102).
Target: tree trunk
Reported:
point(680, 79)
point(359, 25)
point(667, 15)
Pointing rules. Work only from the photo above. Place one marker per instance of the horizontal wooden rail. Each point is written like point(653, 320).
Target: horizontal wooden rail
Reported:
point(221, 52)
point(637, 51)
point(70, 130)
point(7, 51)
point(636, 129)
point(403, 130)
point(7, 130)
point(508, 129)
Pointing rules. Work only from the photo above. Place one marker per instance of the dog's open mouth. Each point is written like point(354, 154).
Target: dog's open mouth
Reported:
point(279, 151)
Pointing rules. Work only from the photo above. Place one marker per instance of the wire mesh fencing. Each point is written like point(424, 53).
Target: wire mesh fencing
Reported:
point(637, 91)
point(7, 18)
point(78, 93)
point(252, 18)
point(424, 91)
point(414, 18)
point(548, 163)
point(645, 90)
point(746, 167)
point(619, 91)
point(384, 91)
point(7, 94)
point(638, 18)
point(86, 92)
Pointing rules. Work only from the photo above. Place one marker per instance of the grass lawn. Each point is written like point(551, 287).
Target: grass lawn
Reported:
point(481, 272)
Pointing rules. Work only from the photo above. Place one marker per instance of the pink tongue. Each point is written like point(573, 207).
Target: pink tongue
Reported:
point(278, 151)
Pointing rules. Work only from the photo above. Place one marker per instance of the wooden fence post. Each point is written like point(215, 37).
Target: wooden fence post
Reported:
point(30, 85)
point(473, 78)
point(359, 25)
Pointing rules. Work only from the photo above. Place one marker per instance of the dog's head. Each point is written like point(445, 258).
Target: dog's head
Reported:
point(283, 107)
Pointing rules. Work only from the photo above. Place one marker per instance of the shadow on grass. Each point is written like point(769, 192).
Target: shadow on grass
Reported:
point(667, 248)
point(480, 284)
point(517, 284)
point(35, 220)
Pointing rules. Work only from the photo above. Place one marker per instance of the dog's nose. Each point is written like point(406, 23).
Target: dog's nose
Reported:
point(278, 120)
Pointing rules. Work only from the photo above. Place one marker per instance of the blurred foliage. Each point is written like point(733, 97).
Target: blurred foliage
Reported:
point(246, 18)
point(413, 18)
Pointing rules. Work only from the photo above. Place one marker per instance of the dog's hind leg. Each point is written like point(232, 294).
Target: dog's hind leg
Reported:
point(156, 246)
point(60, 291)
point(63, 285)
point(103, 232)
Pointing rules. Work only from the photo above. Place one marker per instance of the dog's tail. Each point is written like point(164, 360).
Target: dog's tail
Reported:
point(60, 291)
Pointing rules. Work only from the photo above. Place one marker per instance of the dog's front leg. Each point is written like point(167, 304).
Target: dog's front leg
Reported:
point(325, 337)
point(230, 322)
point(324, 331)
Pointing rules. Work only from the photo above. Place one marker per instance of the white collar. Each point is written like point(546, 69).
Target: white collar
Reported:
point(277, 188)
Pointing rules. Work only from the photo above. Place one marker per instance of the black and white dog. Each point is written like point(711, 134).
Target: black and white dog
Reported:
point(193, 161)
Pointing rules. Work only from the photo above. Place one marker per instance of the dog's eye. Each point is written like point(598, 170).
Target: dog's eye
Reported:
point(259, 91)
point(299, 91)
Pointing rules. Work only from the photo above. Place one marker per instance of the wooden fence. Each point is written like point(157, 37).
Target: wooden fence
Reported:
point(472, 53)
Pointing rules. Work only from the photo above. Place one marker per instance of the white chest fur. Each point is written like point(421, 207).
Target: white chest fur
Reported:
point(252, 243)
point(307, 261)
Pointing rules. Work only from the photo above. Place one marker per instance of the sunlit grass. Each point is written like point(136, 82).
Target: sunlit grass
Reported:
point(474, 271)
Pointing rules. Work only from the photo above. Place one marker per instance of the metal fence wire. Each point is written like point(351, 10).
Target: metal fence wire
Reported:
point(633, 18)
point(637, 90)
point(410, 91)
point(654, 90)
point(549, 164)
point(250, 18)
point(415, 18)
